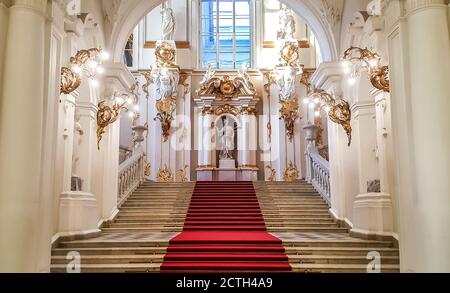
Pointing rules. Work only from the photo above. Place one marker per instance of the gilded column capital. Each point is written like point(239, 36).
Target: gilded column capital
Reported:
point(39, 5)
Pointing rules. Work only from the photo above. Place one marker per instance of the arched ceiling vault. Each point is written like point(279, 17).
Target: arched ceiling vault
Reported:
point(123, 16)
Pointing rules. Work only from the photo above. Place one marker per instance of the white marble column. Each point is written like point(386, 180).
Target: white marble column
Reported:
point(419, 49)
point(247, 145)
point(207, 148)
point(21, 131)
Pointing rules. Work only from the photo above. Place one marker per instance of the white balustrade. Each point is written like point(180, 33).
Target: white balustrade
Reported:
point(318, 173)
point(131, 175)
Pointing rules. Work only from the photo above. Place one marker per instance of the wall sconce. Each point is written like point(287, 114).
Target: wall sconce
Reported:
point(357, 59)
point(338, 110)
point(107, 115)
point(84, 62)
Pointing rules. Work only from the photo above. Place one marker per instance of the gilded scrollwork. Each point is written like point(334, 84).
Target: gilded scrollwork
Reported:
point(379, 77)
point(164, 175)
point(289, 112)
point(106, 115)
point(166, 107)
point(69, 81)
point(291, 173)
point(165, 55)
point(272, 174)
point(364, 58)
point(182, 174)
point(338, 110)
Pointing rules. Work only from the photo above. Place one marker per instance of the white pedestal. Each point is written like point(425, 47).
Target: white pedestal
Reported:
point(227, 164)
point(227, 174)
point(205, 175)
point(372, 214)
point(78, 212)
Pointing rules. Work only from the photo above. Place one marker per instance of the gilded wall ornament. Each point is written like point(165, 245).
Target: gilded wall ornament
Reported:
point(182, 174)
point(164, 175)
point(147, 169)
point(289, 112)
point(166, 107)
point(149, 81)
point(272, 174)
point(357, 59)
point(226, 88)
point(338, 111)
point(165, 55)
point(290, 54)
point(291, 173)
point(71, 77)
point(69, 81)
point(105, 116)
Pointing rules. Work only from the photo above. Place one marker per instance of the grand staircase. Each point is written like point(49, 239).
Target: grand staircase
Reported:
point(138, 239)
point(314, 242)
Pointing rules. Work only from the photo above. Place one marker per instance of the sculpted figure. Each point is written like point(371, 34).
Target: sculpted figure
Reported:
point(226, 139)
point(168, 23)
point(287, 24)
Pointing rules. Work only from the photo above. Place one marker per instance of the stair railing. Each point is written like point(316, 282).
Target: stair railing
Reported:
point(131, 175)
point(318, 172)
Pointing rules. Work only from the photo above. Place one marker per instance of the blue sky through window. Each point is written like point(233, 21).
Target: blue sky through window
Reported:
point(225, 35)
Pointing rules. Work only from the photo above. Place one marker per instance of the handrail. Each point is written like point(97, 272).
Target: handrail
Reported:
point(318, 173)
point(131, 175)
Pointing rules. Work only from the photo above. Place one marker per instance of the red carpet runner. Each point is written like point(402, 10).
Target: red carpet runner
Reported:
point(225, 231)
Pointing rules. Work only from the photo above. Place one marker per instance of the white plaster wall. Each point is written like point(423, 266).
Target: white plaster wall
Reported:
point(3, 32)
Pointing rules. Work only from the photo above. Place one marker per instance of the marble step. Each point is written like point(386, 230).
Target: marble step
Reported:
point(334, 251)
point(111, 251)
point(294, 244)
point(112, 259)
point(307, 229)
point(340, 268)
point(93, 243)
point(340, 259)
point(110, 268)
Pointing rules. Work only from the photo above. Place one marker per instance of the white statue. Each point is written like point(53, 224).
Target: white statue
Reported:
point(226, 139)
point(208, 75)
point(243, 73)
point(168, 23)
point(77, 140)
point(166, 82)
point(287, 24)
point(286, 82)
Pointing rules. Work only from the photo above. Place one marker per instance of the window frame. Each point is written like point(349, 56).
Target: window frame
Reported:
point(202, 34)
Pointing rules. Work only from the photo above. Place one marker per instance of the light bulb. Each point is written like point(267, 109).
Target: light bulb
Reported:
point(94, 83)
point(312, 105)
point(327, 109)
point(306, 101)
point(317, 101)
point(136, 108)
point(100, 70)
point(119, 101)
point(373, 62)
point(77, 69)
point(131, 114)
point(352, 80)
point(346, 66)
point(105, 55)
point(129, 101)
point(92, 64)
point(317, 114)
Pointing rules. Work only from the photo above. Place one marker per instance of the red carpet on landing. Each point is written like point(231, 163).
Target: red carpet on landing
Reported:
point(225, 231)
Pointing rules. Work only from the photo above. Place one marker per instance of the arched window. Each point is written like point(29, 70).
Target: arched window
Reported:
point(225, 33)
